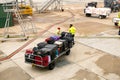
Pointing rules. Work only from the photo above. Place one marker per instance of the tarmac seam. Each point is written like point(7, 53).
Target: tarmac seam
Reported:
point(96, 49)
point(21, 68)
point(91, 71)
point(30, 41)
point(87, 58)
point(86, 68)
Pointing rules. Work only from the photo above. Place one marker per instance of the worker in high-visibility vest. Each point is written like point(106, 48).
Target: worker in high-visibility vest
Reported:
point(72, 30)
point(58, 32)
point(118, 14)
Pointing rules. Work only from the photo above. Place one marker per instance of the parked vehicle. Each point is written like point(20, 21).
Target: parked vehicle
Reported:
point(94, 11)
point(26, 10)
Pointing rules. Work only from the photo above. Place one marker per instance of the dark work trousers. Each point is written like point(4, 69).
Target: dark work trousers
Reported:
point(119, 31)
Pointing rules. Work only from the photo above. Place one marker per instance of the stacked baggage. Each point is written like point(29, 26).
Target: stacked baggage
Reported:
point(52, 39)
point(68, 37)
point(45, 54)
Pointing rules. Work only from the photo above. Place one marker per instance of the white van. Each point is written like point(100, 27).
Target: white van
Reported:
point(99, 12)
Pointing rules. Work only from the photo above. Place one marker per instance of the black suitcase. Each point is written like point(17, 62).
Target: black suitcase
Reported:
point(65, 44)
point(41, 45)
point(48, 51)
point(52, 50)
point(70, 45)
point(69, 39)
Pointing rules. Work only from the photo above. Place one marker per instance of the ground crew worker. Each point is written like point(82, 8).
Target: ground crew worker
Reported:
point(58, 32)
point(119, 28)
point(118, 14)
point(72, 30)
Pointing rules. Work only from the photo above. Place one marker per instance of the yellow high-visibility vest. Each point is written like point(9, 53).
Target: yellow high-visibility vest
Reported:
point(58, 32)
point(119, 23)
point(72, 30)
point(118, 14)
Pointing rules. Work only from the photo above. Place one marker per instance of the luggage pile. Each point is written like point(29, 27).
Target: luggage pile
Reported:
point(46, 53)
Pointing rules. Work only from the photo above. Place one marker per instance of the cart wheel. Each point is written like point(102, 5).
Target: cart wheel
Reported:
point(116, 24)
point(68, 52)
point(26, 38)
point(51, 66)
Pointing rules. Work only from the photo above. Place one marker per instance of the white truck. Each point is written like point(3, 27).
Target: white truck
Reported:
point(116, 21)
point(99, 12)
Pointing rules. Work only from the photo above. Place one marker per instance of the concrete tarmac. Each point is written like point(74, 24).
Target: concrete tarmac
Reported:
point(90, 58)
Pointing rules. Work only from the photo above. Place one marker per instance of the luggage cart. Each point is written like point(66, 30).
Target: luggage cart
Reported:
point(46, 53)
point(41, 61)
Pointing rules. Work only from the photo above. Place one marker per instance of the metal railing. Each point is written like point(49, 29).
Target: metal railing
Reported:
point(48, 3)
point(13, 8)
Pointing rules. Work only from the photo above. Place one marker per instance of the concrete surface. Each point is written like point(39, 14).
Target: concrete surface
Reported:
point(90, 58)
point(107, 45)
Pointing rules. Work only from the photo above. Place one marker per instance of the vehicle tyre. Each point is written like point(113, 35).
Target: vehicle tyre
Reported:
point(68, 52)
point(88, 15)
point(104, 16)
point(116, 24)
point(51, 66)
point(100, 16)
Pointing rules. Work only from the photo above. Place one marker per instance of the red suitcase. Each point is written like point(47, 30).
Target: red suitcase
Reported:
point(44, 61)
point(38, 60)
